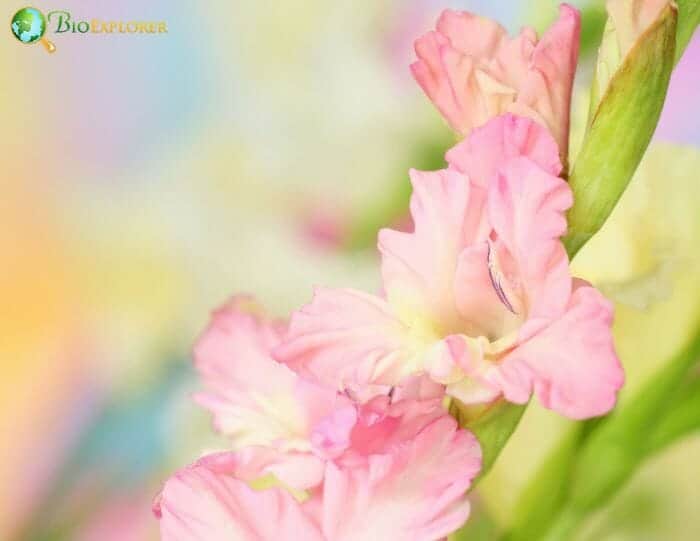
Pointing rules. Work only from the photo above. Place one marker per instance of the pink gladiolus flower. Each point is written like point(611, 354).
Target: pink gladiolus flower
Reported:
point(408, 488)
point(473, 71)
point(479, 296)
point(286, 425)
point(396, 465)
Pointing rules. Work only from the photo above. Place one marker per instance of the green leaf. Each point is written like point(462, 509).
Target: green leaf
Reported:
point(621, 126)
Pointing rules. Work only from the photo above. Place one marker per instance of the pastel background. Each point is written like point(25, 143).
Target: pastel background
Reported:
point(256, 147)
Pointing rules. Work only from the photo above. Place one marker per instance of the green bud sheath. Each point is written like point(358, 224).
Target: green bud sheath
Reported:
point(621, 126)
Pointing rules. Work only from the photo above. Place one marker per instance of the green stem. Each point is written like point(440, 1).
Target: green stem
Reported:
point(493, 428)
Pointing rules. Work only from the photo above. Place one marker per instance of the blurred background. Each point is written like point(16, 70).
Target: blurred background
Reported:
point(257, 147)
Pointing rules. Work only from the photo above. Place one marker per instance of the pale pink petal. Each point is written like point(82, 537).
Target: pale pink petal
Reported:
point(546, 90)
point(414, 493)
point(446, 76)
point(418, 268)
point(299, 470)
point(256, 401)
point(383, 425)
point(511, 62)
point(207, 502)
point(471, 360)
point(528, 260)
point(474, 390)
point(442, 360)
point(508, 136)
point(419, 387)
point(571, 364)
point(331, 437)
point(471, 34)
point(345, 337)
point(477, 297)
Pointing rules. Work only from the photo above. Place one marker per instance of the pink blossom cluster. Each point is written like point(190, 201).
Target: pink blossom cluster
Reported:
point(337, 419)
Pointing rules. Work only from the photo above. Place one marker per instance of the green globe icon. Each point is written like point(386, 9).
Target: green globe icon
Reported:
point(28, 25)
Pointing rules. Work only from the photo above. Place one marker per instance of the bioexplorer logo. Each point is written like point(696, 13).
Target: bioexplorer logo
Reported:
point(29, 25)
